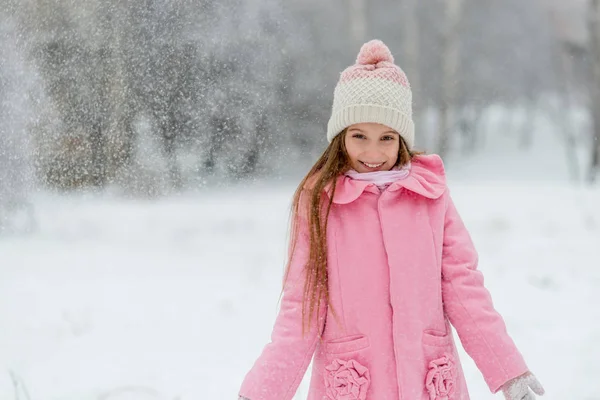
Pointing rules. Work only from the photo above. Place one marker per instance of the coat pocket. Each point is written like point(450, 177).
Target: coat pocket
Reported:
point(345, 369)
point(440, 374)
point(436, 338)
point(346, 344)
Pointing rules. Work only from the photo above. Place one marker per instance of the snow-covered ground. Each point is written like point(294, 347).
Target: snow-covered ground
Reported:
point(113, 299)
point(174, 299)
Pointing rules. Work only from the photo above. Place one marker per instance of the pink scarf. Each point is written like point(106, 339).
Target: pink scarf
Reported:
point(381, 179)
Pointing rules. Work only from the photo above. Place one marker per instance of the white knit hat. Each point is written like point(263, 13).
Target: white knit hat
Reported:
point(373, 90)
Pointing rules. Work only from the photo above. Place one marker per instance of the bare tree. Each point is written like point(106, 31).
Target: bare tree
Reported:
point(16, 110)
point(410, 21)
point(594, 26)
point(450, 65)
point(358, 20)
point(566, 83)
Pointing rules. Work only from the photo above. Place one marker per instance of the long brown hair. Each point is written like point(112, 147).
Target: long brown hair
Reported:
point(333, 162)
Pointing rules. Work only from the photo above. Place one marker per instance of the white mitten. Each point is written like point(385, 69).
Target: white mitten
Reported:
point(243, 398)
point(518, 388)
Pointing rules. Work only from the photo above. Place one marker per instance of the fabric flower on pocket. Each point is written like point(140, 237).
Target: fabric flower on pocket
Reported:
point(346, 380)
point(440, 378)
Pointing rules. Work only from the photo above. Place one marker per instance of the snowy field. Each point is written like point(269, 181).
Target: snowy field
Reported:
point(174, 299)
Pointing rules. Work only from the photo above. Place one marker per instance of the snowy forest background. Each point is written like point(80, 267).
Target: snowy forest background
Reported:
point(153, 96)
point(149, 150)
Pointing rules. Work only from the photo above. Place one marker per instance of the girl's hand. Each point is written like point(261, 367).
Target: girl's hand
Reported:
point(518, 388)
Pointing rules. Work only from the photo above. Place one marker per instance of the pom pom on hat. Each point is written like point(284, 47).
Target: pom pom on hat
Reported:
point(373, 52)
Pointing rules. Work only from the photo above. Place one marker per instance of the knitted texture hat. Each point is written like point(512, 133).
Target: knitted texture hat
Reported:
point(373, 90)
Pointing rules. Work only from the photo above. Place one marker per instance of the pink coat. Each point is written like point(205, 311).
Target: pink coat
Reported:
point(401, 269)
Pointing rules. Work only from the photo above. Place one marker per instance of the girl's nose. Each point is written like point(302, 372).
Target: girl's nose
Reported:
point(373, 148)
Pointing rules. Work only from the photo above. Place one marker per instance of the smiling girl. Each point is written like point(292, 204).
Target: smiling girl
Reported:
point(381, 265)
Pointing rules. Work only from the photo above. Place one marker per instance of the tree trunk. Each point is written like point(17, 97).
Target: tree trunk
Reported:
point(565, 81)
point(411, 51)
point(217, 128)
point(120, 129)
point(168, 130)
point(98, 158)
point(358, 21)
point(594, 27)
point(450, 64)
point(252, 156)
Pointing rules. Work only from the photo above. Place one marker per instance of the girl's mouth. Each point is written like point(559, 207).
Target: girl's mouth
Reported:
point(372, 166)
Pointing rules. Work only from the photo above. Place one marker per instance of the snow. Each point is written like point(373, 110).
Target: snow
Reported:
point(174, 298)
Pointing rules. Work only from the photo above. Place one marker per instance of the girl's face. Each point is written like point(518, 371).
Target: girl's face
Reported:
point(372, 147)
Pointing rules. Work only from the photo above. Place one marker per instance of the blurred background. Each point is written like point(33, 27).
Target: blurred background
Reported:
point(149, 150)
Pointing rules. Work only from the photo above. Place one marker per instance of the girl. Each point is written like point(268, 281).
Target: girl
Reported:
point(380, 265)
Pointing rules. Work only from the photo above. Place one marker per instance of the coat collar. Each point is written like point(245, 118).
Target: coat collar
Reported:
point(426, 178)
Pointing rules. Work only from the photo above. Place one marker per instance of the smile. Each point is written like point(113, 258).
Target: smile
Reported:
point(372, 165)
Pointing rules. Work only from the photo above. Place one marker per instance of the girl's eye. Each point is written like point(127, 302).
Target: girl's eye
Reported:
point(387, 138)
point(358, 136)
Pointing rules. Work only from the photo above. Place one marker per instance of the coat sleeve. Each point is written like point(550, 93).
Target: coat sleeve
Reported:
point(469, 307)
point(279, 369)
